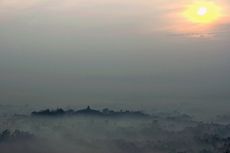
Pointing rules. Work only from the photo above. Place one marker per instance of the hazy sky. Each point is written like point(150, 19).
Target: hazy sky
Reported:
point(114, 52)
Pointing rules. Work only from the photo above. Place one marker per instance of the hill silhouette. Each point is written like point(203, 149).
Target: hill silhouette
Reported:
point(90, 112)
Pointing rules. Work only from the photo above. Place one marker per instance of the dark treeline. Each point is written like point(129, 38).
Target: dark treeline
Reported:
point(90, 112)
point(9, 136)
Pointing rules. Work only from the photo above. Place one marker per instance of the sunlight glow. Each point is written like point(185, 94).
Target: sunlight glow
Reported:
point(203, 12)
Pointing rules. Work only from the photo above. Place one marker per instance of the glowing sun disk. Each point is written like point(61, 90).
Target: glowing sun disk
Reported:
point(204, 12)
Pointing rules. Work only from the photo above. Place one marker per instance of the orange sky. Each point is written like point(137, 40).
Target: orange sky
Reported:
point(159, 15)
point(177, 23)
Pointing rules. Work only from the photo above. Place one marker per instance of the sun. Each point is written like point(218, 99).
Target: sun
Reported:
point(203, 12)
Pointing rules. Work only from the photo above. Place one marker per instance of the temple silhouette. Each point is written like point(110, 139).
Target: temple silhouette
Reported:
point(88, 111)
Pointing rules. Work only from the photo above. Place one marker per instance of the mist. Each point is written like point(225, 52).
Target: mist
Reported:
point(111, 53)
point(161, 132)
point(164, 76)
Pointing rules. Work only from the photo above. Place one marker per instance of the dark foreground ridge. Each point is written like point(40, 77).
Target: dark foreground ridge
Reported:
point(90, 112)
point(8, 136)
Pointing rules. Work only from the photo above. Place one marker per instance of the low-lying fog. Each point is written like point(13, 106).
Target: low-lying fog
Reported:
point(160, 133)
